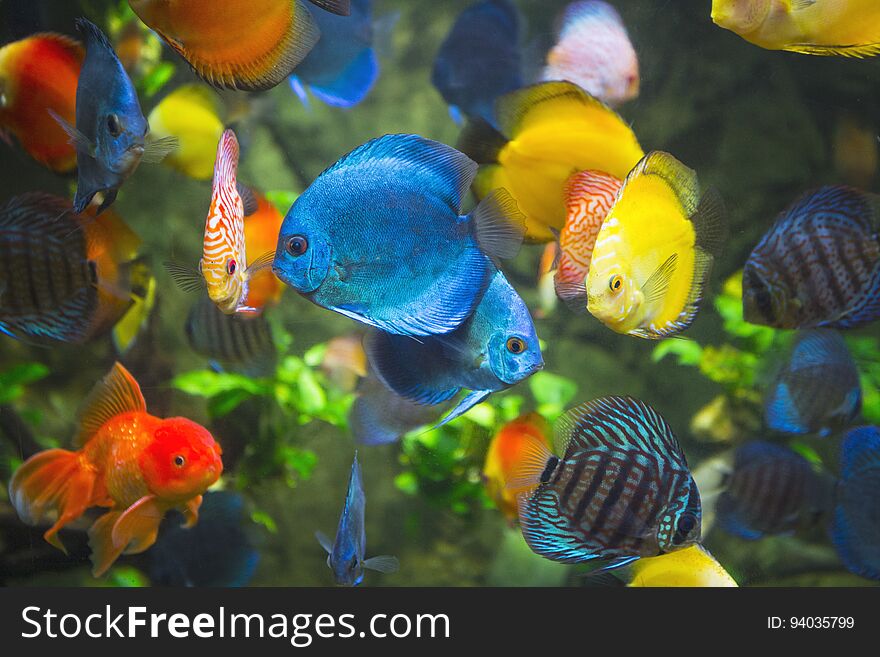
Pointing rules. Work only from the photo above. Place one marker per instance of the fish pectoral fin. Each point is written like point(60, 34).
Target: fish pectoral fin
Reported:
point(260, 264)
point(77, 139)
point(499, 226)
point(104, 552)
point(338, 7)
point(467, 403)
point(190, 511)
point(137, 527)
point(384, 564)
point(325, 541)
point(799, 5)
point(248, 200)
point(186, 278)
point(657, 284)
point(156, 150)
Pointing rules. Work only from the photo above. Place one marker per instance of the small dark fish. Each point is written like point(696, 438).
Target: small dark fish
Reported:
point(621, 490)
point(346, 554)
point(495, 348)
point(855, 528)
point(819, 265)
point(817, 389)
point(765, 489)
point(110, 131)
point(234, 342)
point(217, 551)
point(379, 237)
point(479, 60)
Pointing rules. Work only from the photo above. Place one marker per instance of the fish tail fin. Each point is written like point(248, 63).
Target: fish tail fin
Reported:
point(481, 142)
point(54, 482)
point(499, 226)
point(534, 461)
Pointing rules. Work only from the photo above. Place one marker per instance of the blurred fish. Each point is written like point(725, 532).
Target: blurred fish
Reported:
point(849, 28)
point(216, 552)
point(593, 50)
point(138, 465)
point(621, 490)
point(854, 151)
point(346, 554)
point(38, 74)
point(378, 237)
point(262, 223)
point(495, 348)
point(233, 342)
point(238, 45)
point(345, 361)
point(855, 529)
point(817, 390)
point(546, 274)
point(479, 60)
point(819, 264)
point(547, 132)
point(654, 251)
point(130, 40)
point(691, 567)
point(379, 416)
point(136, 319)
point(589, 196)
point(762, 489)
point(68, 277)
point(110, 130)
point(190, 113)
point(506, 451)
point(343, 67)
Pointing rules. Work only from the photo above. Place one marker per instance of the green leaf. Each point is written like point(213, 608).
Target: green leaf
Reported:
point(407, 482)
point(687, 351)
point(206, 383)
point(550, 388)
point(282, 199)
point(227, 401)
point(312, 395)
point(314, 356)
point(13, 380)
point(289, 369)
point(482, 415)
point(264, 519)
point(153, 81)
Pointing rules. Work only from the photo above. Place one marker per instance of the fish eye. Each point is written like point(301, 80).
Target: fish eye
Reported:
point(516, 345)
point(297, 245)
point(113, 125)
point(615, 283)
point(179, 461)
point(685, 526)
point(231, 267)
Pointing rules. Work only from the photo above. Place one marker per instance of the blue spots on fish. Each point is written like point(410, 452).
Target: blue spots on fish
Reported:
point(480, 59)
point(620, 491)
point(346, 552)
point(378, 237)
point(817, 389)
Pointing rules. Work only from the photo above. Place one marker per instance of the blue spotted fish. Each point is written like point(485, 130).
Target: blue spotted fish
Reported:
point(819, 265)
point(620, 491)
point(346, 553)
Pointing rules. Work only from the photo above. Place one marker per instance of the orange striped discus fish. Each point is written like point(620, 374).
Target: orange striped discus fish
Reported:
point(589, 196)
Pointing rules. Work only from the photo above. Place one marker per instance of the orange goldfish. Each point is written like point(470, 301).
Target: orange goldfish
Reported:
point(137, 465)
point(39, 74)
point(506, 451)
point(589, 196)
point(261, 236)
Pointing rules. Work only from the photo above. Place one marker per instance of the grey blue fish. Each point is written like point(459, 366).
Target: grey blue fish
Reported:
point(379, 237)
point(346, 553)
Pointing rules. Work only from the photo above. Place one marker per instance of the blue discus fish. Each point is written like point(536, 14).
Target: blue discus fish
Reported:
point(621, 489)
point(855, 529)
point(346, 553)
point(343, 67)
point(494, 349)
point(378, 237)
point(110, 130)
point(817, 390)
point(479, 60)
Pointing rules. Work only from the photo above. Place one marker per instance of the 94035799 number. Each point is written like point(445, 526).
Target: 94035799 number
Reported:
point(811, 622)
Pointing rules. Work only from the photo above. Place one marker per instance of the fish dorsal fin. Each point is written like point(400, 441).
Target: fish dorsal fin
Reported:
point(113, 395)
point(429, 164)
point(618, 423)
point(91, 33)
point(338, 7)
point(681, 180)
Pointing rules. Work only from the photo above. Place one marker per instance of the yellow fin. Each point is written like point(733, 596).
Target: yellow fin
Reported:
point(113, 395)
point(679, 178)
point(857, 52)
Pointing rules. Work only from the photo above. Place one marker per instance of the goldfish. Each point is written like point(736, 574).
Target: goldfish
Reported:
point(505, 454)
point(693, 566)
point(345, 555)
point(654, 251)
point(68, 277)
point(855, 529)
point(818, 265)
point(495, 348)
point(356, 241)
point(261, 228)
point(620, 491)
point(110, 131)
point(379, 416)
point(345, 361)
point(589, 197)
point(38, 74)
point(817, 389)
point(849, 28)
point(191, 114)
point(479, 60)
point(251, 46)
point(593, 50)
point(547, 132)
point(136, 465)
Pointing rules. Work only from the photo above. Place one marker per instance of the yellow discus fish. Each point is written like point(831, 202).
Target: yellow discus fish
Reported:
point(692, 566)
point(654, 251)
point(850, 28)
point(192, 114)
point(547, 132)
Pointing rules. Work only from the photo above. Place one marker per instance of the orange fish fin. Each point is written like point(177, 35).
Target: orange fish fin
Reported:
point(104, 553)
point(534, 459)
point(338, 7)
point(113, 395)
point(190, 511)
point(136, 529)
point(57, 483)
